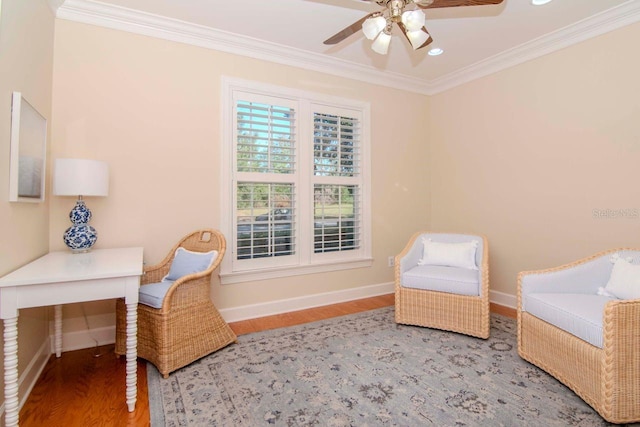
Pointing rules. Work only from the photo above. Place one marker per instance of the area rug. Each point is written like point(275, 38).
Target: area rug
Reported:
point(365, 370)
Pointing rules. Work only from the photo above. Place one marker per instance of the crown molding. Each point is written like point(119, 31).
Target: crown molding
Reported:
point(54, 5)
point(133, 21)
point(596, 25)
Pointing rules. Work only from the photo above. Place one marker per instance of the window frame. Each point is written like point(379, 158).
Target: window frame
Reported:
point(305, 261)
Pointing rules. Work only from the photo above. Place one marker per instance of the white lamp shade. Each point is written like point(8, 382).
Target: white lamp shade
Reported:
point(413, 19)
point(372, 27)
point(80, 177)
point(381, 44)
point(417, 38)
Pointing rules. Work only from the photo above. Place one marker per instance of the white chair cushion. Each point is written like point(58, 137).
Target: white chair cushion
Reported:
point(578, 314)
point(461, 281)
point(624, 282)
point(153, 294)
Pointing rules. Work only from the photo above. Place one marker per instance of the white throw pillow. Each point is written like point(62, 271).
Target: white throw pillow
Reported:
point(188, 262)
point(462, 255)
point(624, 282)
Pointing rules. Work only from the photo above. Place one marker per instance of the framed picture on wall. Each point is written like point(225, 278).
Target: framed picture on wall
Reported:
point(28, 152)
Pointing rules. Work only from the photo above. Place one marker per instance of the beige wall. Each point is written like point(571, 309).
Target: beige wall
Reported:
point(26, 58)
point(152, 110)
point(526, 155)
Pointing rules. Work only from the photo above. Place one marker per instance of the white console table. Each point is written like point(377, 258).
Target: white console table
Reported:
point(62, 278)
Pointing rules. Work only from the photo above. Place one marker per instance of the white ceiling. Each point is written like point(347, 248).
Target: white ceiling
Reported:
point(477, 39)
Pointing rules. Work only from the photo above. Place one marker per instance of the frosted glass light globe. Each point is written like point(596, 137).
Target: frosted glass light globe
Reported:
point(413, 19)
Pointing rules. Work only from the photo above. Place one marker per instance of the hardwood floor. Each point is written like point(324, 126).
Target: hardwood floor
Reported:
point(505, 311)
point(80, 389)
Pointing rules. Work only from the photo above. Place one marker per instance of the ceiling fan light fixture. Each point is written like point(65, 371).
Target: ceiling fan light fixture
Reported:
point(413, 19)
point(435, 51)
point(539, 2)
point(381, 43)
point(373, 26)
point(417, 38)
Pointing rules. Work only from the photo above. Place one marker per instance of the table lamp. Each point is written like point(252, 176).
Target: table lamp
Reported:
point(80, 177)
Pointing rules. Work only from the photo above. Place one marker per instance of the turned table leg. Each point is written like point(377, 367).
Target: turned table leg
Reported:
point(132, 344)
point(57, 327)
point(11, 371)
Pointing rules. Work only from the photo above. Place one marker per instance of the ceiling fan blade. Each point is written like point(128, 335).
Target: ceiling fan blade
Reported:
point(453, 3)
point(428, 41)
point(351, 29)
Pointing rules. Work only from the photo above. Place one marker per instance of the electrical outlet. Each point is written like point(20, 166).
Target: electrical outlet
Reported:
point(392, 261)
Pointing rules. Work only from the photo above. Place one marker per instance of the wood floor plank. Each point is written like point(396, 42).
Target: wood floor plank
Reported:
point(505, 311)
point(81, 390)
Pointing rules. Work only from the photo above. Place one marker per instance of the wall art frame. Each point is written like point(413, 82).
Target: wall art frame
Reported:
point(28, 157)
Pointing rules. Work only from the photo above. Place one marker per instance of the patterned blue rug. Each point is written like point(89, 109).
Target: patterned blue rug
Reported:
point(365, 370)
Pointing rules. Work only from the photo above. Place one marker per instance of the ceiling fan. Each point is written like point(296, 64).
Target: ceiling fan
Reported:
point(377, 26)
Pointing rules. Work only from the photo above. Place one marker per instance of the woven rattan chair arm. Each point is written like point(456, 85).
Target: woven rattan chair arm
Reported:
point(154, 274)
point(188, 289)
point(484, 269)
point(401, 264)
point(621, 364)
point(621, 325)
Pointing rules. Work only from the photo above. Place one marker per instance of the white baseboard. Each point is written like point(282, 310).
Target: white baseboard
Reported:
point(506, 300)
point(300, 303)
point(78, 340)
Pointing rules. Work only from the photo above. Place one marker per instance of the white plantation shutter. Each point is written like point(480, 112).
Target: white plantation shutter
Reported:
point(266, 226)
point(336, 177)
point(336, 218)
point(265, 185)
point(266, 138)
point(336, 145)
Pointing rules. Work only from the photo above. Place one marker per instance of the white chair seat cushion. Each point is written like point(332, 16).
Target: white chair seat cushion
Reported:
point(578, 314)
point(461, 281)
point(153, 294)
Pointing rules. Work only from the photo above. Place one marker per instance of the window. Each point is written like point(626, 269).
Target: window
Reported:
point(295, 186)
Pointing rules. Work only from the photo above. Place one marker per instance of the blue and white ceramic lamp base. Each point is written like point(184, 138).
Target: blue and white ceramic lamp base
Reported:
point(80, 237)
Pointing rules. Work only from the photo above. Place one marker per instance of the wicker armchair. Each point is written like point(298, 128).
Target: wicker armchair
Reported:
point(435, 304)
point(187, 326)
point(603, 366)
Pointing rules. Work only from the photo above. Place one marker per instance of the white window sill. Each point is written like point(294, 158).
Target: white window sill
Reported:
point(264, 274)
